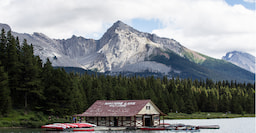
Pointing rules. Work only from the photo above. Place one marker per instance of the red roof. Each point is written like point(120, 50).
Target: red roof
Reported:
point(104, 108)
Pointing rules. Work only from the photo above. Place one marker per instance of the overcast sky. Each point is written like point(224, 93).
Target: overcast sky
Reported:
point(211, 27)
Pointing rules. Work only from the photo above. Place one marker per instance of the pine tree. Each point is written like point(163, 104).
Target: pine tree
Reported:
point(78, 99)
point(188, 97)
point(37, 95)
point(5, 98)
point(30, 77)
point(202, 103)
point(13, 67)
point(3, 48)
point(212, 103)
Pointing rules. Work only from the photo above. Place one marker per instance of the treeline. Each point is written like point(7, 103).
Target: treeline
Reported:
point(28, 83)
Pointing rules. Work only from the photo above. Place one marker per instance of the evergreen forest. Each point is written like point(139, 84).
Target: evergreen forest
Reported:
point(28, 83)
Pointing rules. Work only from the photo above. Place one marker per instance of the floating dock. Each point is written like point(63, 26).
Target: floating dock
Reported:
point(100, 128)
point(209, 127)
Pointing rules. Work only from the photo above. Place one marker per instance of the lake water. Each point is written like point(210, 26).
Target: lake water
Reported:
point(234, 125)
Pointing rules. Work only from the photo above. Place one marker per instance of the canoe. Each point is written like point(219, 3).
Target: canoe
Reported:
point(64, 126)
point(71, 125)
point(55, 127)
point(84, 125)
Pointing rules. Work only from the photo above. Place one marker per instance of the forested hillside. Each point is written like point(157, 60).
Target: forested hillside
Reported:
point(27, 83)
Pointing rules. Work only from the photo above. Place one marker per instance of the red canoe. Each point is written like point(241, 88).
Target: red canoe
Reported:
point(82, 129)
point(55, 127)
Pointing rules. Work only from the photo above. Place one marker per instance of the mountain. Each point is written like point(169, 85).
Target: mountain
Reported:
point(241, 59)
point(123, 49)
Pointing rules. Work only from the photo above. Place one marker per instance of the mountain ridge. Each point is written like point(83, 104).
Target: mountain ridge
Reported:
point(124, 49)
point(241, 59)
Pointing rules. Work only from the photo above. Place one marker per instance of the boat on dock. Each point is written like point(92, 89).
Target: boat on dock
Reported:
point(55, 126)
point(66, 126)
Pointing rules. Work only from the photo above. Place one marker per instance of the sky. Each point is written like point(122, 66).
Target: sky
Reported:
point(210, 27)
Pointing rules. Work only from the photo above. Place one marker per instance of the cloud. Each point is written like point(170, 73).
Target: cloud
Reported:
point(213, 29)
point(208, 26)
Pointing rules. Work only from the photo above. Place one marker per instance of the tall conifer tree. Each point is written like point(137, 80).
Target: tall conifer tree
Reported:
point(5, 98)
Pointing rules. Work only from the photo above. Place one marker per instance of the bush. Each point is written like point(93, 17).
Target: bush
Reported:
point(35, 124)
point(5, 123)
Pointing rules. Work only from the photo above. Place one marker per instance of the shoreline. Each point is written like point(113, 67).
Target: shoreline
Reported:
point(205, 115)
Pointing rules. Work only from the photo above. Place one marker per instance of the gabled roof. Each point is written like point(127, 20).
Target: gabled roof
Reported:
point(104, 108)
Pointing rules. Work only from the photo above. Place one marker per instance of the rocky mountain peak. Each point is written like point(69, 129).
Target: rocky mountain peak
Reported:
point(238, 54)
point(6, 27)
point(241, 59)
point(119, 24)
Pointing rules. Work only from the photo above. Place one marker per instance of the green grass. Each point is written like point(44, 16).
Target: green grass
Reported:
point(205, 115)
point(17, 118)
point(190, 56)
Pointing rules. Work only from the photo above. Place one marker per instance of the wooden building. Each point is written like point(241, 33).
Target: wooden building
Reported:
point(128, 113)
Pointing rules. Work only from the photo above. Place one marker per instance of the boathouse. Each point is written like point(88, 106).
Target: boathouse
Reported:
point(128, 113)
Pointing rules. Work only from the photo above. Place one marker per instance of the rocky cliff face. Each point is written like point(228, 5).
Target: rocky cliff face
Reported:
point(241, 59)
point(121, 48)
point(122, 45)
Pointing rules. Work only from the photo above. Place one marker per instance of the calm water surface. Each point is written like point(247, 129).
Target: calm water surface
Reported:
point(234, 125)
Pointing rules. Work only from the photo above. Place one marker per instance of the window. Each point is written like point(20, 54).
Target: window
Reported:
point(156, 118)
point(147, 107)
point(138, 118)
point(91, 118)
point(127, 118)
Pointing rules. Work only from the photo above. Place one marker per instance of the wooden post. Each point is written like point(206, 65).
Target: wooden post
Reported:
point(109, 121)
point(160, 118)
point(143, 120)
point(130, 121)
point(122, 124)
point(134, 121)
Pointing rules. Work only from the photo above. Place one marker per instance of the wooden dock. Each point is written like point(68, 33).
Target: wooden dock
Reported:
point(104, 128)
point(209, 127)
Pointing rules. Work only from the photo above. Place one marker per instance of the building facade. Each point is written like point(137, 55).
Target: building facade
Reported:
point(128, 113)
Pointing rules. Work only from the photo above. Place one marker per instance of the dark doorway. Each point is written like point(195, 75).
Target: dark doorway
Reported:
point(115, 121)
point(148, 120)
